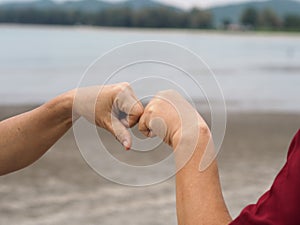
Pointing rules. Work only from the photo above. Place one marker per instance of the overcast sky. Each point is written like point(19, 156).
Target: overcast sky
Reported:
point(180, 3)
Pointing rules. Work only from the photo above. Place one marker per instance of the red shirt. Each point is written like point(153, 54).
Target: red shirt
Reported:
point(281, 204)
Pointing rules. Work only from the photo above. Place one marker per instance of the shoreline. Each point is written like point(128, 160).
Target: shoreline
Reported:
point(248, 33)
point(10, 109)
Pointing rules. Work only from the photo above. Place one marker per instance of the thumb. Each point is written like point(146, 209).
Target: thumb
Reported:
point(158, 127)
point(127, 102)
point(120, 132)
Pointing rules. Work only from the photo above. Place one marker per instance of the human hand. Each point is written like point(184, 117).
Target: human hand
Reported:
point(198, 189)
point(172, 118)
point(112, 107)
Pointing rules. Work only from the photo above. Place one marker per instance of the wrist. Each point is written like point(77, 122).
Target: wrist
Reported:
point(191, 145)
point(62, 106)
point(195, 133)
point(84, 102)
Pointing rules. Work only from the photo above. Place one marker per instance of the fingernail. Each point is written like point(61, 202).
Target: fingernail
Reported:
point(126, 145)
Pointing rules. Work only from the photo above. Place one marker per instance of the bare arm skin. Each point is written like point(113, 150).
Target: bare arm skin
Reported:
point(198, 194)
point(26, 137)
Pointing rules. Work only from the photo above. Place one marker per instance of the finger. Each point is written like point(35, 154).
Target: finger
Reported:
point(125, 122)
point(134, 114)
point(120, 132)
point(158, 127)
point(127, 102)
point(143, 127)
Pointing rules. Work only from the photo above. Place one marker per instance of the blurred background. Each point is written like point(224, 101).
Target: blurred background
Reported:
point(253, 47)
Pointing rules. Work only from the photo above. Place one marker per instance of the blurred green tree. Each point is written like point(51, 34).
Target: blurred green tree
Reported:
point(292, 22)
point(226, 22)
point(200, 19)
point(269, 19)
point(250, 17)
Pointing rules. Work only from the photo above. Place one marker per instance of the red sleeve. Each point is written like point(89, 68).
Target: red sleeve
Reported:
point(281, 204)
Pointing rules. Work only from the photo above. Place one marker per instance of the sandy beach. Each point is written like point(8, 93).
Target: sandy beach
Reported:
point(61, 188)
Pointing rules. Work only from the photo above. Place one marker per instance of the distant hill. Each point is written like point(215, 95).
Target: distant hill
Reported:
point(139, 4)
point(41, 4)
point(234, 11)
point(85, 5)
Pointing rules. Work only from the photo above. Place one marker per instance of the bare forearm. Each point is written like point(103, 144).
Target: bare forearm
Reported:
point(26, 137)
point(199, 195)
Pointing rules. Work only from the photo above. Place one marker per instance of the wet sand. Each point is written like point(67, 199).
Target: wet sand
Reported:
point(61, 188)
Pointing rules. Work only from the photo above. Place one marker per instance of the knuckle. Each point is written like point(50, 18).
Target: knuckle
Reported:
point(132, 121)
point(117, 89)
point(167, 92)
point(141, 110)
point(125, 84)
point(204, 130)
point(121, 87)
point(150, 110)
point(138, 109)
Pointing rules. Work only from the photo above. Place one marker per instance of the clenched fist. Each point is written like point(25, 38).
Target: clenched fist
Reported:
point(172, 118)
point(112, 107)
